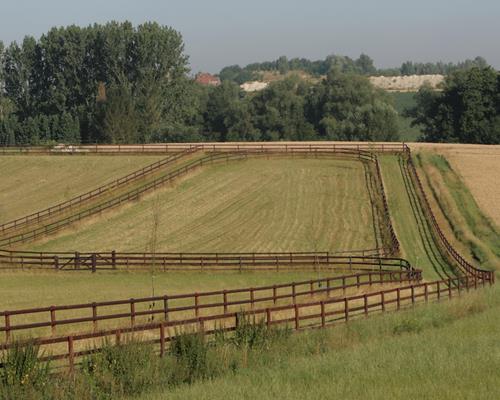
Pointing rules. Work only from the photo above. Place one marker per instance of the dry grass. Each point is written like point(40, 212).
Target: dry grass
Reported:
point(255, 205)
point(32, 183)
point(479, 166)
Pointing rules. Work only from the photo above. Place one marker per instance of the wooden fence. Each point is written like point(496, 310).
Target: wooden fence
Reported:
point(169, 307)
point(81, 199)
point(161, 148)
point(297, 316)
point(197, 261)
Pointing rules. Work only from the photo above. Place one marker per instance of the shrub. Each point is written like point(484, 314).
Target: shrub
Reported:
point(190, 351)
point(21, 367)
point(126, 369)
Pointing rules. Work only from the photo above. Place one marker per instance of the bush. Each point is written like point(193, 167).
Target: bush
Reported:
point(190, 351)
point(22, 368)
point(127, 369)
point(250, 333)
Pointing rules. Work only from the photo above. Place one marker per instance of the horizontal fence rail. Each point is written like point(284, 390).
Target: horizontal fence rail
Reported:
point(171, 306)
point(198, 261)
point(175, 147)
point(297, 316)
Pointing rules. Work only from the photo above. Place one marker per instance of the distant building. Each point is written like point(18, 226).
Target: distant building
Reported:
point(207, 79)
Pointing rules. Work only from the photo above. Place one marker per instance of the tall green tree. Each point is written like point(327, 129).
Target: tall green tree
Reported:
point(348, 107)
point(467, 110)
point(278, 111)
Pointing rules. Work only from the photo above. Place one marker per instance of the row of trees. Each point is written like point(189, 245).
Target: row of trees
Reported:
point(341, 107)
point(467, 110)
point(111, 82)
point(116, 83)
point(363, 65)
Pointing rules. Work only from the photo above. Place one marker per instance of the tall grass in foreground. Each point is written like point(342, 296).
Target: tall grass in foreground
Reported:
point(392, 351)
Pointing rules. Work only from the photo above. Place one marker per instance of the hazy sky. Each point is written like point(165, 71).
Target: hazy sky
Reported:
point(223, 32)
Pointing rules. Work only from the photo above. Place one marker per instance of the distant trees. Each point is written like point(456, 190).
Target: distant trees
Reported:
point(363, 65)
point(466, 111)
point(348, 107)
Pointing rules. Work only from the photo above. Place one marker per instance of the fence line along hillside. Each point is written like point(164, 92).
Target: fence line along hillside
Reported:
point(298, 316)
point(172, 307)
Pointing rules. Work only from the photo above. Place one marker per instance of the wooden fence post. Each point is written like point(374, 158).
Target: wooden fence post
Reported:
point(346, 309)
point(224, 299)
point(94, 262)
point(162, 339)
point(252, 298)
point(71, 354)
point(322, 304)
point(365, 298)
point(77, 260)
point(53, 320)
point(382, 300)
point(56, 263)
point(113, 259)
point(296, 307)
point(94, 316)
point(165, 307)
point(7, 326)
point(132, 312)
point(196, 311)
point(268, 317)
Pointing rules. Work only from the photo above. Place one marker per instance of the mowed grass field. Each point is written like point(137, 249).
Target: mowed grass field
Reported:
point(32, 183)
point(253, 205)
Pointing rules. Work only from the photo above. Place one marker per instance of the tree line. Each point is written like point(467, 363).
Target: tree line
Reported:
point(116, 83)
point(466, 110)
point(119, 83)
point(363, 65)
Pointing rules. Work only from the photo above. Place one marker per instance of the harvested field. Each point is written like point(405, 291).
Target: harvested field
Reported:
point(254, 205)
point(32, 183)
point(479, 166)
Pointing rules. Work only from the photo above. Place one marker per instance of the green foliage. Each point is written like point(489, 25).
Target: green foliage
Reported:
point(121, 370)
point(466, 111)
point(22, 370)
point(255, 334)
point(348, 107)
point(58, 77)
point(190, 350)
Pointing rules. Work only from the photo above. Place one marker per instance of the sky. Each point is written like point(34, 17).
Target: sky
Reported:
point(218, 33)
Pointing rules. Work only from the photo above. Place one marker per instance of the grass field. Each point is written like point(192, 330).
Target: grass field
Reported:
point(32, 183)
point(253, 205)
point(417, 354)
point(409, 222)
point(439, 351)
point(82, 287)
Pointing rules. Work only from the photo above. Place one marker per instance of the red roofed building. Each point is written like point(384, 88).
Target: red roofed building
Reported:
point(207, 79)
